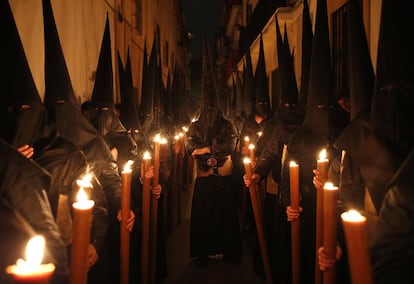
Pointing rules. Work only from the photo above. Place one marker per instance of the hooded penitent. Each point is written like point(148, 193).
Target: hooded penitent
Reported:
point(307, 38)
point(262, 101)
point(248, 86)
point(288, 111)
point(24, 118)
point(107, 122)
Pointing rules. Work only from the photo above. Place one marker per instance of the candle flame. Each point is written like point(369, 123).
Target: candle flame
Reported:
point(352, 216)
point(163, 141)
point(85, 182)
point(251, 146)
point(194, 120)
point(157, 138)
point(322, 154)
point(127, 167)
point(181, 134)
point(147, 155)
point(81, 197)
point(330, 186)
point(246, 160)
point(34, 255)
point(259, 133)
point(176, 137)
point(246, 138)
point(185, 129)
point(293, 164)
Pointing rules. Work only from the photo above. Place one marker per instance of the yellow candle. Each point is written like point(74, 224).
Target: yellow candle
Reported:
point(82, 218)
point(32, 270)
point(126, 176)
point(357, 247)
point(322, 167)
point(330, 197)
point(145, 211)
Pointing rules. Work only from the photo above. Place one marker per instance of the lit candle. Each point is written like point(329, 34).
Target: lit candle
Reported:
point(154, 208)
point(295, 225)
point(330, 197)
point(126, 176)
point(322, 166)
point(357, 247)
point(145, 209)
point(82, 218)
point(246, 141)
point(257, 212)
point(251, 152)
point(32, 270)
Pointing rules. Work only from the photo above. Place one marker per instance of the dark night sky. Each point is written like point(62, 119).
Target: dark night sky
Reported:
point(202, 18)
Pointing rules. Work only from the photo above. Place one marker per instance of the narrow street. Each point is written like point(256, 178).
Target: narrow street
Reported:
point(181, 268)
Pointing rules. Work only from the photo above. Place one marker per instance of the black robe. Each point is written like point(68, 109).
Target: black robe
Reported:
point(214, 226)
point(23, 189)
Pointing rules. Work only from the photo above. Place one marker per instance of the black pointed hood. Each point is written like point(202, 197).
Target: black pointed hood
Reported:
point(320, 92)
point(248, 85)
point(147, 97)
point(393, 100)
point(307, 39)
point(128, 112)
point(361, 72)
point(20, 125)
point(103, 93)
point(57, 80)
point(288, 110)
point(262, 101)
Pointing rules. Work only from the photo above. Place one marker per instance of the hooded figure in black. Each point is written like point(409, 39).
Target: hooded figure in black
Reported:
point(211, 140)
point(25, 212)
point(393, 102)
point(269, 163)
point(315, 133)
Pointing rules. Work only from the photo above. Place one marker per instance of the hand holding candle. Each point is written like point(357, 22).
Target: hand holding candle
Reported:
point(321, 177)
point(295, 224)
point(32, 270)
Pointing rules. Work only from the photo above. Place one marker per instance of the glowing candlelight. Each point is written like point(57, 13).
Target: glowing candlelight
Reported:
point(32, 270)
point(145, 209)
point(259, 134)
point(126, 176)
point(330, 197)
point(357, 247)
point(82, 218)
point(246, 141)
point(251, 152)
point(322, 165)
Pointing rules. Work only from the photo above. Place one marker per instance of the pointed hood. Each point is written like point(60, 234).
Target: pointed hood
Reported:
point(320, 92)
point(23, 114)
point(262, 101)
point(393, 100)
point(248, 85)
point(102, 94)
point(361, 72)
point(57, 80)
point(128, 112)
point(307, 39)
point(147, 97)
point(288, 110)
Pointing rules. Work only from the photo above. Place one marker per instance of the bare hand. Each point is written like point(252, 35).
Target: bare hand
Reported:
point(293, 214)
point(130, 221)
point(254, 178)
point(92, 256)
point(201, 151)
point(26, 151)
point(316, 180)
point(156, 190)
point(326, 262)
